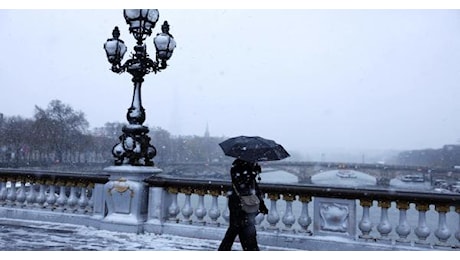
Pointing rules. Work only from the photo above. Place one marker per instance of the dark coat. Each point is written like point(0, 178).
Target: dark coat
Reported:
point(243, 176)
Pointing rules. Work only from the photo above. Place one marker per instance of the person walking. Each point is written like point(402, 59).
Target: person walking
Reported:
point(242, 217)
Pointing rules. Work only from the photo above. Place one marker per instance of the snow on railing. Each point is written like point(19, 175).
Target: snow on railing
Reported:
point(50, 191)
point(299, 215)
point(396, 218)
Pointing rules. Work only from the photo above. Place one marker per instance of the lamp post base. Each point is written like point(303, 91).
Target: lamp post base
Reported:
point(126, 197)
point(134, 147)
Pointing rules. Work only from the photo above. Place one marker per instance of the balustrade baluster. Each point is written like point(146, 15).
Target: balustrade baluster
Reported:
point(41, 197)
point(304, 219)
point(273, 217)
point(31, 195)
point(173, 209)
point(90, 205)
point(442, 232)
point(11, 197)
point(21, 197)
point(62, 199)
point(226, 212)
point(288, 217)
point(260, 217)
point(365, 225)
point(83, 200)
point(200, 211)
point(422, 230)
point(384, 227)
point(214, 212)
point(35, 192)
point(72, 200)
point(187, 209)
point(457, 234)
point(3, 191)
point(403, 229)
point(51, 198)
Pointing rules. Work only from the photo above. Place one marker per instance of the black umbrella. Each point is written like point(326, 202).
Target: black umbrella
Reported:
point(253, 149)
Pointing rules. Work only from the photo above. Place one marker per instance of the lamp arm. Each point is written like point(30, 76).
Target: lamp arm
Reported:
point(117, 68)
point(151, 66)
point(147, 65)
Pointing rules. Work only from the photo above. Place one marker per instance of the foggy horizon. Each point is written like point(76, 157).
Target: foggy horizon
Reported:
point(315, 81)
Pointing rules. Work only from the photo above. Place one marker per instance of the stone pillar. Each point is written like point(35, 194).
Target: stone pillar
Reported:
point(160, 201)
point(98, 201)
point(126, 197)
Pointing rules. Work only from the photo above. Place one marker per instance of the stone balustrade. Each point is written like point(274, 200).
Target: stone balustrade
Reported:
point(51, 196)
point(303, 217)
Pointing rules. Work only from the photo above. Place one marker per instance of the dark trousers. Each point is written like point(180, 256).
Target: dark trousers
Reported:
point(242, 225)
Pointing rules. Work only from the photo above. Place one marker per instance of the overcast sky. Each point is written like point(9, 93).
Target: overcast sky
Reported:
point(322, 79)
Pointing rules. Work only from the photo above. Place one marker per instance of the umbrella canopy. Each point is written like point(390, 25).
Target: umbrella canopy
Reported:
point(253, 149)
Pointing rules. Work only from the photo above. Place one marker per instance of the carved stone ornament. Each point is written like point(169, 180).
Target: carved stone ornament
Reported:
point(121, 187)
point(334, 217)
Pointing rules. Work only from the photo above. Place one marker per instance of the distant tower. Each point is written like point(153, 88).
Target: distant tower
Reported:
point(207, 144)
point(206, 132)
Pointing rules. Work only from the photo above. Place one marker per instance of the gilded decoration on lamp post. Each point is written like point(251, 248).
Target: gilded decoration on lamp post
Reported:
point(134, 147)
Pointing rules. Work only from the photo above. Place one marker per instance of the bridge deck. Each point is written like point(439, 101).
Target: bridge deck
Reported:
point(43, 236)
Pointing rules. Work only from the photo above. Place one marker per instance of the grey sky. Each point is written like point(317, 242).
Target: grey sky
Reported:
point(322, 79)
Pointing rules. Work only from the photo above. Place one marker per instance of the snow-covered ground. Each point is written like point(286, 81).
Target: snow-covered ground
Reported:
point(43, 236)
point(58, 237)
point(54, 241)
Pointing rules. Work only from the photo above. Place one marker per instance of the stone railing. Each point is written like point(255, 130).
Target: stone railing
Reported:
point(74, 198)
point(306, 217)
point(301, 217)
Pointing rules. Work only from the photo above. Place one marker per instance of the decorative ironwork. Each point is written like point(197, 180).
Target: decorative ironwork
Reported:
point(134, 147)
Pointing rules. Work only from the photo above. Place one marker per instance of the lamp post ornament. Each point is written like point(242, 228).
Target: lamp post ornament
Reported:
point(134, 147)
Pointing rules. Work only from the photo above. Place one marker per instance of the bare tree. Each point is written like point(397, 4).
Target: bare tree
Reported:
point(15, 137)
point(59, 128)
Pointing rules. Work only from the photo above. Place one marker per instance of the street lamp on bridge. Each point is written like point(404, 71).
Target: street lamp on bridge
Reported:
point(134, 147)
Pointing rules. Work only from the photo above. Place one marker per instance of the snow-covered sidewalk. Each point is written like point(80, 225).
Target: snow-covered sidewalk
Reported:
point(43, 236)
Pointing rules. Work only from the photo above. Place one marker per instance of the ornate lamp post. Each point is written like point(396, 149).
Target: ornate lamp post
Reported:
point(134, 147)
